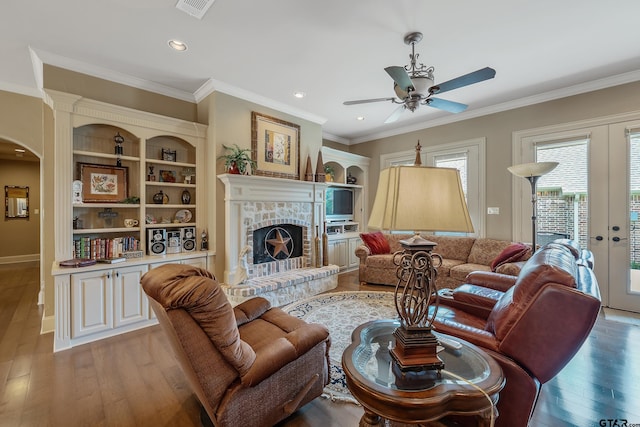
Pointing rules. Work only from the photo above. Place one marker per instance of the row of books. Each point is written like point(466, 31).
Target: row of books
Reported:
point(102, 248)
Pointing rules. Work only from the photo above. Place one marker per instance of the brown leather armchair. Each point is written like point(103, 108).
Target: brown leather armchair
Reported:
point(532, 324)
point(251, 356)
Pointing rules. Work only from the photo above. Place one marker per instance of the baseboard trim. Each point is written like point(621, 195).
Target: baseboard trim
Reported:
point(19, 258)
point(48, 324)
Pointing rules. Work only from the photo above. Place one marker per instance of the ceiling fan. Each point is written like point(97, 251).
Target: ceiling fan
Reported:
point(414, 85)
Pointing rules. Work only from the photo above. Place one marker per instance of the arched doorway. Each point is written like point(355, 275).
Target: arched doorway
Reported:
point(20, 171)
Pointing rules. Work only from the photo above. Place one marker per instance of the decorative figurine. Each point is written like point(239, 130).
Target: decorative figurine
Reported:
point(76, 193)
point(204, 243)
point(151, 177)
point(118, 148)
point(308, 174)
point(160, 198)
point(186, 197)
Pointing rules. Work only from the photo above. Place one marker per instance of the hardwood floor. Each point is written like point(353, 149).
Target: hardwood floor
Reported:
point(133, 379)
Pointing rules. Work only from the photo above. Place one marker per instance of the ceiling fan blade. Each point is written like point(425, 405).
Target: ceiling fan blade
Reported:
point(396, 114)
point(443, 104)
point(466, 80)
point(400, 76)
point(365, 101)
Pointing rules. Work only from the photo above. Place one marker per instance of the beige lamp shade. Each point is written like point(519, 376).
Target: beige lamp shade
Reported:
point(526, 170)
point(420, 198)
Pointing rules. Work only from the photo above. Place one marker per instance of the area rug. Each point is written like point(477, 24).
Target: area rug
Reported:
point(341, 313)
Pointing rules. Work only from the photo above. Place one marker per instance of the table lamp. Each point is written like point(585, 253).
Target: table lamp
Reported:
point(532, 172)
point(420, 199)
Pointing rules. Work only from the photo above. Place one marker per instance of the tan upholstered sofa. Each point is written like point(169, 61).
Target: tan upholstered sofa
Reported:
point(460, 256)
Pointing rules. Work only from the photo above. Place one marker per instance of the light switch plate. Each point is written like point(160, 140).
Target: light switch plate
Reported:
point(493, 211)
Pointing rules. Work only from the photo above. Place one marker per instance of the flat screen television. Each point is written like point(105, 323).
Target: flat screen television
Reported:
point(339, 204)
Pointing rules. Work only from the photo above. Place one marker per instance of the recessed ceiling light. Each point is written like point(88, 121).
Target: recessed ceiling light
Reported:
point(177, 45)
point(20, 150)
point(299, 94)
point(360, 118)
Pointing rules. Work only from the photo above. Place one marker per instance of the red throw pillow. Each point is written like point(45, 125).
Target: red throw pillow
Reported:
point(376, 242)
point(511, 253)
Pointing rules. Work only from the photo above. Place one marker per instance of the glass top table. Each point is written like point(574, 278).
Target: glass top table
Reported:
point(468, 385)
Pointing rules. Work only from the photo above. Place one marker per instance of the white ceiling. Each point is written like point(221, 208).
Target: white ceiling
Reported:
point(333, 50)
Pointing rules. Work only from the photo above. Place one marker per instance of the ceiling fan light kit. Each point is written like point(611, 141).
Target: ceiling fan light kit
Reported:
point(414, 84)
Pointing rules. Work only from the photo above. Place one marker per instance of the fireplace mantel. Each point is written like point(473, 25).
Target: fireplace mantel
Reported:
point(250, 200)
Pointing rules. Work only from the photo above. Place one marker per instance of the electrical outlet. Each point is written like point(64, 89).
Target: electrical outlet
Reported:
point(493, 211)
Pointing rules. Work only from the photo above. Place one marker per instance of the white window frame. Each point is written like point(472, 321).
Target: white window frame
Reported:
point(475, 150)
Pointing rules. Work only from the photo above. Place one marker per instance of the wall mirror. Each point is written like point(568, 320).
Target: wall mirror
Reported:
point(16, 202)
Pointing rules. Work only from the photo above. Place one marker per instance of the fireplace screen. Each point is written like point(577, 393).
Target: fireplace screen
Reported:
point(278, 242)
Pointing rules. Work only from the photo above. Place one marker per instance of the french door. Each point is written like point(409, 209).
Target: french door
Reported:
point(622, 235)
point(593, 196)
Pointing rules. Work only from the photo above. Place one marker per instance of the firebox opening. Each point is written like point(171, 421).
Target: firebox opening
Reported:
point(277, 242)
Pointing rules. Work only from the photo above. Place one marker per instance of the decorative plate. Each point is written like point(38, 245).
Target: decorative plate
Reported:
point(183, 215)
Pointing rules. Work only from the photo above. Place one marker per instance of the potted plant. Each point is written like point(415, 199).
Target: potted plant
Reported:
point(238, 160)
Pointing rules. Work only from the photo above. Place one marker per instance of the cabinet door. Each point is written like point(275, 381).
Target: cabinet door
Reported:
point(91, 302)
point(353, 244)
point(130, 302)
point(338, 253)
point(197, 262)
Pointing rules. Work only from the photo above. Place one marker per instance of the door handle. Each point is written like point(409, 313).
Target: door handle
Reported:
point(598, 238)
point(617, 239)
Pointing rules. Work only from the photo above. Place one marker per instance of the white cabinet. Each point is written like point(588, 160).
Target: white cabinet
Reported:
point(130, 303)
point(136, 155)
point(197, 262)
point(338, 253)
point(104, 301)
point(342, 250)
point(354, 242)
point(351, 171)
point(92, 296)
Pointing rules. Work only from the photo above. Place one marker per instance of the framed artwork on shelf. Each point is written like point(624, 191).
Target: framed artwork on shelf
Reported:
point(168, 155)
point(275, 146)
point(103, 183)
point(167, 176)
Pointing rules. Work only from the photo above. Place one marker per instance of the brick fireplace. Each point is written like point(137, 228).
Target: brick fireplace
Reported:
point(253, 203)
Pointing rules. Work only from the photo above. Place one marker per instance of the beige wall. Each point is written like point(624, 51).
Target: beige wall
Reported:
point(497, 129)
point(117, 94)
point(229, 121)
point(21, 236)
point(21, 121)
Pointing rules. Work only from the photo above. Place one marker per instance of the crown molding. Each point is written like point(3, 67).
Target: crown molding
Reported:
point(335, 138)
point(95, 71)
point(578, 89)
point(213, 85)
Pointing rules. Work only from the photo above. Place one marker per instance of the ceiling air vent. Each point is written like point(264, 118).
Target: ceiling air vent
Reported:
point(196, 8)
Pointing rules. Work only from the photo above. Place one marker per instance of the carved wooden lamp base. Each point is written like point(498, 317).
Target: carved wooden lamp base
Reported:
point(416, 349)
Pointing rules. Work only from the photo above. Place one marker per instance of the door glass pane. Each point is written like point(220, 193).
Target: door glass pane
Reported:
point(634, 209)
point(562, 194)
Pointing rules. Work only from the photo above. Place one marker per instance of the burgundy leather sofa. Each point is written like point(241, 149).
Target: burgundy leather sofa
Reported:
point(250, 365)
point(532, 324)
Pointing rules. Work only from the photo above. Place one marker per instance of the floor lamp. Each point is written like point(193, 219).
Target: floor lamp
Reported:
point(420, 199)
point(532, 172)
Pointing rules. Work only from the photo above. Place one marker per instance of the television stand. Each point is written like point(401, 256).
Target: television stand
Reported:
point(342, 227)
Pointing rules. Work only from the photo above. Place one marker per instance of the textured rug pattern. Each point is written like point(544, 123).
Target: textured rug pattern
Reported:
point(341, 313)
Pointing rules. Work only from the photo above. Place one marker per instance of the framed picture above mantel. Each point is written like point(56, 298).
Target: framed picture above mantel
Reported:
point(275, 146)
